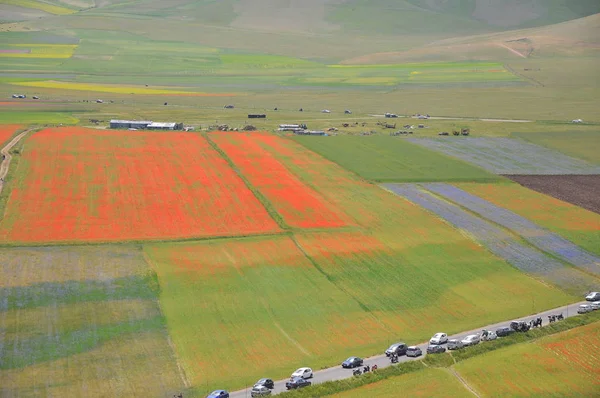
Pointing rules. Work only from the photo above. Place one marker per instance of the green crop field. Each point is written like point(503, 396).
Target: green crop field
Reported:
point(580, 144)
point(381, 158)
point(435, 383)
point(560, 365)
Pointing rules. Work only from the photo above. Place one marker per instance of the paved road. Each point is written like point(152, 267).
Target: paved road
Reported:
point(338, 373)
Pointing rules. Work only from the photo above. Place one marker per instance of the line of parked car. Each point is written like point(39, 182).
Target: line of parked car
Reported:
point(438, 344)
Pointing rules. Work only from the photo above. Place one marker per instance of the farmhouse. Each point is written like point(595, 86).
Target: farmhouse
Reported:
point(129, 124)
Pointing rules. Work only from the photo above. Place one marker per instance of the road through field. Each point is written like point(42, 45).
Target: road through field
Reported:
point(338, 373)
point(7, 157)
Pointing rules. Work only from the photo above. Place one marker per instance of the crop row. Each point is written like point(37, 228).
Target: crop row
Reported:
point(508, 156)
point(537, 236)
point(499, 242)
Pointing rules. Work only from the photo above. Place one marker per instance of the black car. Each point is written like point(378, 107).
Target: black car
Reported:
point(265, 382)
point(297, 382)
point(504, 331)
point(398, 349)
point(435, 349)
point(352, 362)
point(520, 326)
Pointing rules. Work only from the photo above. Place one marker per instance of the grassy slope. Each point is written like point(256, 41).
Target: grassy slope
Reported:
point(561, 365)
point(579, 144)
point(381, 158)
point(80, 322)
point(580, 226)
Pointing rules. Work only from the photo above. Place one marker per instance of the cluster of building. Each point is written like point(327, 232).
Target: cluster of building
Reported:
point(144, 125)
point(299, 129)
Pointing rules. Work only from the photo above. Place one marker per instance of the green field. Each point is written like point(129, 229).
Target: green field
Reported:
point(381, 158)
point(580, 144)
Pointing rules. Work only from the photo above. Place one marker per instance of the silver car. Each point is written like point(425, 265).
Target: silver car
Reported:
point(259, 391)
point(455, 344)
point(595, 305)
point(471, 339)
point(584, 309)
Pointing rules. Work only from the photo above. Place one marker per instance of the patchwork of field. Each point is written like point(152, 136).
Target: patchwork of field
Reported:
point(508, 156)
point(581, 190)
point(530, 259)
point(532, 233)
point(36, 50)
point(575, 223)
point(82, 322)
point(432, 382)
point(381, 158)
point(559, 365)
point(579, 144)
point(109, 185)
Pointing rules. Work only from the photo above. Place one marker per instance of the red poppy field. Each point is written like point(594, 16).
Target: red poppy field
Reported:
point(79, 184)
point(7, 131)
point(298, 204)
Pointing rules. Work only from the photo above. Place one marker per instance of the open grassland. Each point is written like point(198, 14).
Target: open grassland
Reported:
point(580, 144)
point(381, 158)
point(580, 226)
point(298, 205)
point(78, 184)
point(427, 383)
point(563, 365)
point(36, 117)
point(82, 322)
point(508, 156)
point(302, 300)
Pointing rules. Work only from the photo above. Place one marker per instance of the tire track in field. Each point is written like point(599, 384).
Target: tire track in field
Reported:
point(7, 157)
point(463, 382)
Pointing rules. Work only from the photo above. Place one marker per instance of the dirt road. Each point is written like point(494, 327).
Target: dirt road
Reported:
point(7, 157)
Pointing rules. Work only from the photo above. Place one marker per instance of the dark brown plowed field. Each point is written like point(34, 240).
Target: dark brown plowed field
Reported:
point(580, 190)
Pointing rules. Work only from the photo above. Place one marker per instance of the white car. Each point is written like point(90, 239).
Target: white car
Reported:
point(325, 111)
point(305, 373)
point(439, 338)
point(471, 339)
point(593, 296)
point(595, 305)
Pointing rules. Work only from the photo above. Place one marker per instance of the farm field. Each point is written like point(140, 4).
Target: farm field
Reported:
point(563, 365)
point(508, 156)
point(575, 223)
point(432, 382)
point(381, 158)
point(579, 144)
point(298, 205)
point(110, 185)
point(507, 246)
point(7, 131)
point(82, 322)
point(580, 190)
point(531, 232)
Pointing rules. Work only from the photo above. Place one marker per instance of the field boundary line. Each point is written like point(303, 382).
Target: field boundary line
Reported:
point(261, 198)
point(180, 368)
point(463, 381)
point(345, 291)
point(531, 79)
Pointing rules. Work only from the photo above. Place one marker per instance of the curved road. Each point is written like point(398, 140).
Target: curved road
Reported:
point(338, 373)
